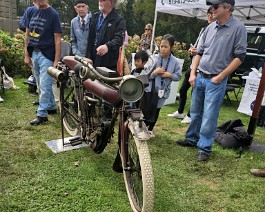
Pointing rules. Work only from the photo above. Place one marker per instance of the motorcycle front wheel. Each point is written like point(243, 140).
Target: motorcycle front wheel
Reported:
point(137, 172)
point(69, 107)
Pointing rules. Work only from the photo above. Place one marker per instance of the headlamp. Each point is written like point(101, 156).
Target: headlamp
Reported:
point(131, 89)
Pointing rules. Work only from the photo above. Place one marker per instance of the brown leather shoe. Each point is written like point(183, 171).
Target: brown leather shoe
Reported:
point(39, 120)
point(258, 172)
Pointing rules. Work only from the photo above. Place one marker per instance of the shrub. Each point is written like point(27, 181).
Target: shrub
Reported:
point(12, 53)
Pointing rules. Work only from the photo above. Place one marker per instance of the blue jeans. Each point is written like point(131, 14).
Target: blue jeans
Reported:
point(46, 98)
point(207, 98)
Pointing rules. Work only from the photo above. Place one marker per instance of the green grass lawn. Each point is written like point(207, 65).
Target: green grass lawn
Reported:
point(33, 178)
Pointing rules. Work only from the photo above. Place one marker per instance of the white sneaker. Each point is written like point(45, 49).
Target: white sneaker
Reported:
point(1, 100)
point(186, 120)
point(176, 115)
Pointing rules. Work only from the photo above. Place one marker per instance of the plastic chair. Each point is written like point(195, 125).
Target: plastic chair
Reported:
point(231, 84)
point(229, 88)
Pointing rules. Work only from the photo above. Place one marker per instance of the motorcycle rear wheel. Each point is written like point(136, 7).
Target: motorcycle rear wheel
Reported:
point(138, 173)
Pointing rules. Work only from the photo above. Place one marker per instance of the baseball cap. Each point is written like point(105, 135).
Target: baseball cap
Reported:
point(212, 2)
point(80, 2)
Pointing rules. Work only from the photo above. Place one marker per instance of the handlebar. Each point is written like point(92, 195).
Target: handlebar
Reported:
point(85, 72)
point(152, 57)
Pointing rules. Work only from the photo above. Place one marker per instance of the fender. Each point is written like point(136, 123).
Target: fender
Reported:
point(139, 133)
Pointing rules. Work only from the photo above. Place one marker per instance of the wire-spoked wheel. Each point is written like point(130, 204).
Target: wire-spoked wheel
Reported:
point(69, 107)
point(138, 173)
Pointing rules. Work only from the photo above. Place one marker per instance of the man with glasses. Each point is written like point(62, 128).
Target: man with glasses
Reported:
point(223, 49)
point(106, 35)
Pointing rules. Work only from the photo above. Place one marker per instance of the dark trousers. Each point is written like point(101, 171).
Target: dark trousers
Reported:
point(183, 92)
point(151, 125)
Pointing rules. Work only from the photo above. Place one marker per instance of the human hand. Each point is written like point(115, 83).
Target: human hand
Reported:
point(217, 79)
point(166, 75)
point(101, 50)
point(192, 51)
point(192, 80)
point(159, 70)
point(28, 61)
point(55, 64)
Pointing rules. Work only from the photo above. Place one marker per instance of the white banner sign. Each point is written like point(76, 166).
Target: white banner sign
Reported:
point(249, 96)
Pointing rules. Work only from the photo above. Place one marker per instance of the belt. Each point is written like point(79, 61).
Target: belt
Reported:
point(36, 49)
point(207, 75)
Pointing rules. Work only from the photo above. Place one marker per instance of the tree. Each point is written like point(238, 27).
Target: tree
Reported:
point(138, 13)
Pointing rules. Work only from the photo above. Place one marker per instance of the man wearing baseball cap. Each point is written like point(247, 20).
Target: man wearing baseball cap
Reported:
point(217, 2)
point(222, 50)
point(80, 28)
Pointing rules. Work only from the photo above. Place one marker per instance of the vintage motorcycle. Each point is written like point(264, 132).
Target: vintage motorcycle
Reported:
point(91, 102)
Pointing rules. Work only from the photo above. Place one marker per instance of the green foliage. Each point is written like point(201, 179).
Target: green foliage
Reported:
point(12, 53)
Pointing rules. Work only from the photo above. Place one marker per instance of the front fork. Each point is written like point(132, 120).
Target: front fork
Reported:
point(131, 120)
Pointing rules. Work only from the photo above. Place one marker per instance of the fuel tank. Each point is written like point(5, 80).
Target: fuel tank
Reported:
point(103, 91)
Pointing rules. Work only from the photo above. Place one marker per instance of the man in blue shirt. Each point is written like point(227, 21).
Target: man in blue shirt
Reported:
point(80, 28)
point(42, 50)
point(27, 14)
point(222, 50)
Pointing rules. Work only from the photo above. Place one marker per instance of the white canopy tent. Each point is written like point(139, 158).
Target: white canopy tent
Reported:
point(248, 11)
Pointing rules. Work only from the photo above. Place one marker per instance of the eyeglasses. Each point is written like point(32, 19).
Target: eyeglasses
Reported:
point(216, 6)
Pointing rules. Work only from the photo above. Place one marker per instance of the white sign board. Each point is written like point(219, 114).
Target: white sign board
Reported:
point(249, 96)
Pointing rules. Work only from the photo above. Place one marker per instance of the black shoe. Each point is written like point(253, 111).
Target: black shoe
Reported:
point(202, 157)
point(52, 111)
point(35, 103)
point(184, 143)
point(39, 120)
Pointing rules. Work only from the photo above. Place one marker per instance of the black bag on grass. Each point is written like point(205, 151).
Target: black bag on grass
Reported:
point(232, 134)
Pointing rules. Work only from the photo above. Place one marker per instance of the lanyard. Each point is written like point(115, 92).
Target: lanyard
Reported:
point(161, 65)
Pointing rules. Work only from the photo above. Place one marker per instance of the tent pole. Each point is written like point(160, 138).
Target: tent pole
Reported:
point(255, 115)
point(153, 32)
